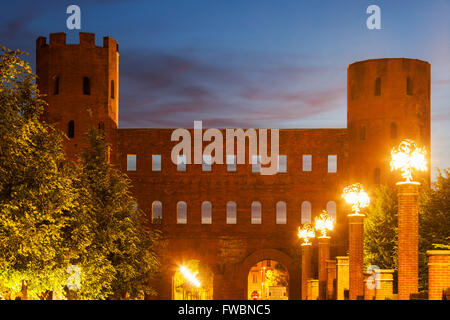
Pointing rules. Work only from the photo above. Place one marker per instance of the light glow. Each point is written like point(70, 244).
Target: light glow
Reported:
point(190, 276)
point(306, 232)
point(408, 156)
point(357, 197)
point(324, 223)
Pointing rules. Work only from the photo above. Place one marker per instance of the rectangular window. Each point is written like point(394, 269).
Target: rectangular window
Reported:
point(206, 163)
point(181, 166)
point(86, 85)
point(231, 163)
point(282, 163)
point(256, 163)
point(131, 162)
point(378, 86)
point(307, 162)
point(332, 163)
point(156, 162)
point(56, 87)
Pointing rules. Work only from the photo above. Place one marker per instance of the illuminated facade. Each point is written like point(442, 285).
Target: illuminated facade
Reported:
point(231, 218)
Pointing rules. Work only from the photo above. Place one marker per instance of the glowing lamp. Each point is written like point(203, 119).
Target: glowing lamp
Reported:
point(306, 232)
point(357, 197)
point(189, 276)
point(324, 223)
point(408, 156)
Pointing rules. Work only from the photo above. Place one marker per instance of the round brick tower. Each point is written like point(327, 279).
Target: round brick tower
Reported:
point(81, 83)
point(388, 100)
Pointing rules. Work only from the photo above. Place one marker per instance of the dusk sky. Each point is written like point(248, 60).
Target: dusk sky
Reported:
point(247, 63)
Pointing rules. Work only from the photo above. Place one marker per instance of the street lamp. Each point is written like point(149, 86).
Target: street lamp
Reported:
point(357, 197)
point(324, 223)
point(189, 276)
point(408, 156)
point(306, 232)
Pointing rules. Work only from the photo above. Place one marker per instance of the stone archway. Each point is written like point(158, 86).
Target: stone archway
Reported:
point(281, 257)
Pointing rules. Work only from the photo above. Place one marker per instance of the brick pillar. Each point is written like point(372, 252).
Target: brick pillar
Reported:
point(408, 239)
point(369, 286)
point(313, 289)
point(438, 273)
point(331, 277)
point(356, 255)
point(324, 255)
point(384, 284)
point(341, 277)
point(306, 269)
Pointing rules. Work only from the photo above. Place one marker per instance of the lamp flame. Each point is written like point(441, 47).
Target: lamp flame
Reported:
point(189, 276)
point(357, 197)
point(408, 156)
point(324, 223)
point(306, 232)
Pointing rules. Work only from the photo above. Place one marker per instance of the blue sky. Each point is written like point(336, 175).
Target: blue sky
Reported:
point(247, 63)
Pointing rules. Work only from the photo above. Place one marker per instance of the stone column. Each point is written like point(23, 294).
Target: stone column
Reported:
point(313, 289)
point(341, 277)
point(438, 273)
point(356, 255)
point(384, 284)
point(324, 255)
point(408, 239)
point(306, 269)
point(331, 277)
point(369, 286)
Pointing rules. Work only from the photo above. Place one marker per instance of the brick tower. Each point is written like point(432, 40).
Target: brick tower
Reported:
point(388, 100)
point(81, 83)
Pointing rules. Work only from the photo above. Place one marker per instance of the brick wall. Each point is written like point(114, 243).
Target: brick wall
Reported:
point(438, 273)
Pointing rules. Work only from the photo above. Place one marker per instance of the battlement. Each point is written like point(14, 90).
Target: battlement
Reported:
point(86, 40)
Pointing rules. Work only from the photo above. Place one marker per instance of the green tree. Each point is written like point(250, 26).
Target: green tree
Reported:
point(36, 193)
point(434, 221)
point(380, 230)
point(120, 258)
point(380, 234)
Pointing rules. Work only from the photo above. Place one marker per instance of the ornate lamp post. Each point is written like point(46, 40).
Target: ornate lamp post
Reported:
point(306, 232)
point(323, 223)
point(359, 199)
point(406, 157)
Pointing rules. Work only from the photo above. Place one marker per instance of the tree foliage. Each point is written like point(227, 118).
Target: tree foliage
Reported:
point(120, 257)
point(380, 238)
point(36, 193)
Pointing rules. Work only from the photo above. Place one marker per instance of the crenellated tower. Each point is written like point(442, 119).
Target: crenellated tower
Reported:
point(388, 100)
point(81, 86)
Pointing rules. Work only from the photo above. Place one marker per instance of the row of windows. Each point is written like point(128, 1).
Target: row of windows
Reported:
point(231, 208)
point(409, 86)
point(231, 163)
point(393, 131)
point(71, 128)
point(86, 86)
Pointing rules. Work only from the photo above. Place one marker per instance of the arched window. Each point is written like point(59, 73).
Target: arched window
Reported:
point(71, 129)
point(409, 86)
point(378, 86)
point(101, 126)
point(256, 212)
point(206, 212)
point(231, 212)
point(86, 85)
point(281, 212)
point(393, 130)
point(306, 212)
point(56, 86)
point(112, 89)
point(331, 209)
point(377, 176)
point(181, 212)
point(156, 212)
